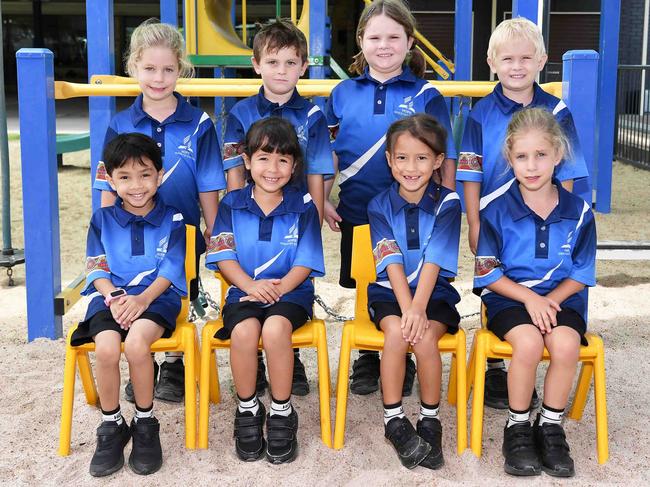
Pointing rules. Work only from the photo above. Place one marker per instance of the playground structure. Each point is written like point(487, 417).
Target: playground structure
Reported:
point(587, 88)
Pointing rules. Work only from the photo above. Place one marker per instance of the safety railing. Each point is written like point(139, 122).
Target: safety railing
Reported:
point(632, 134)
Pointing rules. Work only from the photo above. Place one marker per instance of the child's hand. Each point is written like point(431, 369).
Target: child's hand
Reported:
point(264, 290)
point(116, 310)
point(472, 236)
point(132, 306)
point(543, 311)
point(207, 235)
point(414, 323)
point(331, 216)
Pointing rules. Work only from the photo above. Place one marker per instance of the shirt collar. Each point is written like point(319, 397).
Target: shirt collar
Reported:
point(506, 105)
point(154, 217)
point(427, 203)
point(293, 201)
point(565, 208)
point(183, 112)
point(264, 105)
point(405, 75)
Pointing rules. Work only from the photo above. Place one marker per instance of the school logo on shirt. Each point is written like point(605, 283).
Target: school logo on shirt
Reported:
point(469, 161)
point(96, 263)
point(301, 132)
point(161, 249)
point(185, 149)
point(485, 265)
point(405, 109)
point(385, 248)
point(221, 243)
point(291, 238)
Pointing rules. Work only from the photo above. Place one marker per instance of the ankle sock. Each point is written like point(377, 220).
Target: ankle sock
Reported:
point(517, 417)
point(141, 413)
point(171, 357)
point(393, 411)
point(280, 408)
point(496, 363)
point(114, 415)
point(428, 411)
point(550, 415)
point(250, 404)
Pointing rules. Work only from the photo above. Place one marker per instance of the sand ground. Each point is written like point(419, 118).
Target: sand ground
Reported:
point(32, 379)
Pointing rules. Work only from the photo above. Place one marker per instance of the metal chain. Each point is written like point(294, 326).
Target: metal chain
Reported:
point(10, 275)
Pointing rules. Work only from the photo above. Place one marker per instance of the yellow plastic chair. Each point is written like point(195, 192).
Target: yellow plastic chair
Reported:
point(487, 345)
point(361, 333)
point(310, 335)
point(184, 339)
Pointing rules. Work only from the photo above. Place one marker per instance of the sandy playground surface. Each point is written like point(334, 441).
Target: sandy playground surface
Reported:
point(31, 380)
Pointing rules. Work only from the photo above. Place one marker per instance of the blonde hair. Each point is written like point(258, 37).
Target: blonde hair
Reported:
point(539, 119)
point(154, 34)
point(518, 28)
point(400, 13)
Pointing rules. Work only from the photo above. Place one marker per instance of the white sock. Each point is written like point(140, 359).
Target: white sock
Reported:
point(139, 414)
point(251, 405)
point(115, 416)
point(171, 357)
point(550, 415)
point(393, 411)
point(517, 417)
point(428, 411)
point(280, 408)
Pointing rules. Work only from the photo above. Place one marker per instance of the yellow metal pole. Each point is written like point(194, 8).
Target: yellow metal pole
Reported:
point(243, 22)
point(294, 11)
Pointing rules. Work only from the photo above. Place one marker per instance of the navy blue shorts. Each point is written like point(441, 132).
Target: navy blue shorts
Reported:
point(437, 310)
point(235, 313)
point(103, 320)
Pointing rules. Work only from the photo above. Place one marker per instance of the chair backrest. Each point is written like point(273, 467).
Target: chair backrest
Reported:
point(362, 268)
point(190, 268)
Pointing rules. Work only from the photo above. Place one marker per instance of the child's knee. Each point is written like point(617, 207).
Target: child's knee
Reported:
point(564, 351)
point(136, 348)
point(276, 332)
point(426, 347)
point(528, 349)
point(394, 339)
point(245, 335)
point(107, 354)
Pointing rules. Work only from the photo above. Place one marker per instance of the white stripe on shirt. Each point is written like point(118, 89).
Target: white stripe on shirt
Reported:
point(357, 165)
point(488, 198)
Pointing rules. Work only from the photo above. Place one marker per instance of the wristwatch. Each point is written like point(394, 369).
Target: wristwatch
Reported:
point(113, 295)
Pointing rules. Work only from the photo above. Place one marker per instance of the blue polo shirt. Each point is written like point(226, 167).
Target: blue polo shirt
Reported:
point(132, 251)
point(359, 112)
point(307, 119)
point(191, 156)
point(268, 246)
point(539, 254)
point(412, 235)
point(481, 154)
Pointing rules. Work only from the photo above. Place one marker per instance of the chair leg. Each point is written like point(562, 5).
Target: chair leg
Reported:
point(461, 392)
point(342, 387)
point(471, 363)
point(451, 386)
point(480, 356)
point(582, 389)
point(323, 384)
point(87, 379)
point(197, 355)
point(600, 400)
point(207, 355)
point(68, 401)
point(190, 389)
point(215, 389)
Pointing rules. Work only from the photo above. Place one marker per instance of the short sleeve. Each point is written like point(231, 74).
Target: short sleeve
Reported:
point(331, 117)
point(96, 262)
point(470, 159)
point(172, 265)
point(309, 252)
point(222, 241)
point(437, 108)
point(101, 182)
point(442, 248)
point(487, 264)
point(209, 167)
point(584, 251)
point(319, 151)
point(385, 249)
point(575, 166)
point(233, 142)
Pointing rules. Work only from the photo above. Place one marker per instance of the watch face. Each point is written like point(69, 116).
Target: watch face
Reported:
point(117, 293)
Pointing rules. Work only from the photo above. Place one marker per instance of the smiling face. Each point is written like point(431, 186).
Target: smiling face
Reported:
point(517, 64)
point(384, 44)
point(136, 182)
point(270, 171)
point(280, 71)
point(412, 163)
point(533, 159)
point(157, 71)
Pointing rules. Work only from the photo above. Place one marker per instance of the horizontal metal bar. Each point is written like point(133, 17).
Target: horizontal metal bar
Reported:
point(67, 298)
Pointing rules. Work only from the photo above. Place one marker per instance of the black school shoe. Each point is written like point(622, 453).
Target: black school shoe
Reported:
point(409, 376)
point(171, 386)
point(261, 383)
point(554, 449)
point(109, 452)
point(249, 434)
point(520, 452)
point(496, 390)
point(281, 437)
point(128, 389)
point(430, 430)
point(299, 386)
point(411, 448)
point(146, 455)
point(365, 374)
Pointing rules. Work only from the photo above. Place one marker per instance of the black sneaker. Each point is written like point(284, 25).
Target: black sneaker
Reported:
point(300, 386)
point(249, 434)
point(520, 452)
point(281, 435)
point(409, 376)
point(365, 374)
point(171, 386)
point(411, 448)
point(128, 388)
point(261, 383)
point(554, 449)
point(496, 390)
point(109, 452)
point(430, 430)
point(146, 455)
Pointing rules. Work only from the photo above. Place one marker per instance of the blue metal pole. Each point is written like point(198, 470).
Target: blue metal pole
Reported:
point(610, 19)
point(40, 190)
point(463, 39)
point(101, 60)
point(169, 12)
point(526, 8)
point(579, 92)
point(318, 34)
